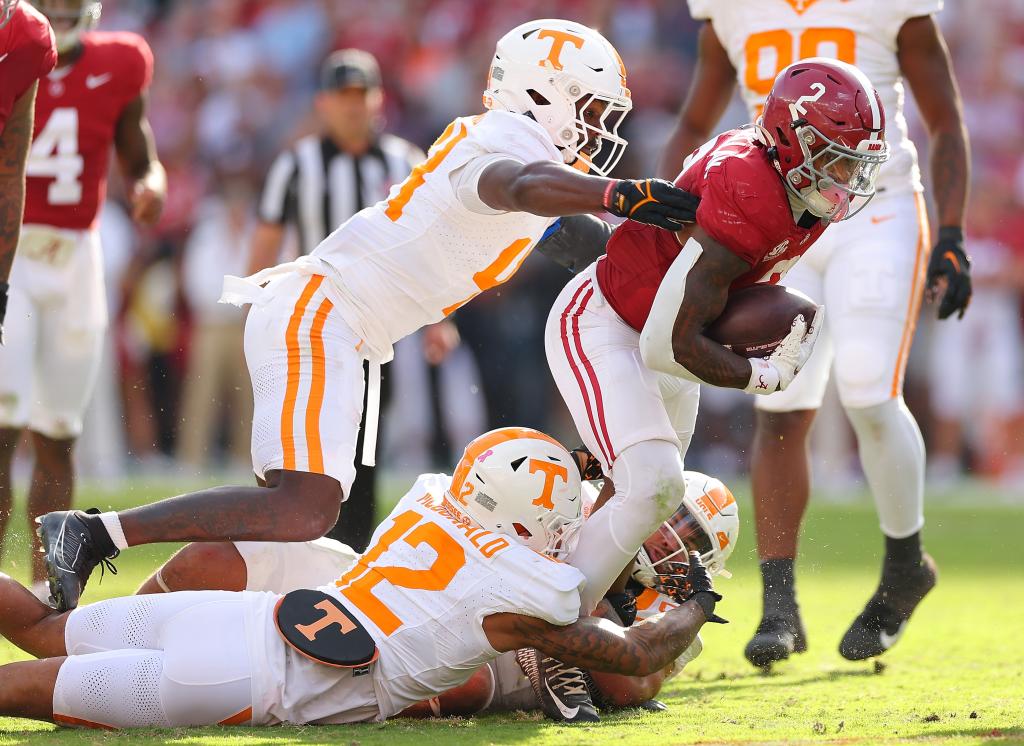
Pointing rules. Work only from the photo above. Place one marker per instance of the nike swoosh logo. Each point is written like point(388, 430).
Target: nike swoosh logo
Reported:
point(4, 56)
point(95, 81)
point(567, 713)
point(885, 638)
point(876, 219)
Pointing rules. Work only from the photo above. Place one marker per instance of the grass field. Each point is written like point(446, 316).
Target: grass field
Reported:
point(957, 677)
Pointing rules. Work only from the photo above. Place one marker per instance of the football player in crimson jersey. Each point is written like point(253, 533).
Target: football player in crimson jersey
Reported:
point(27, 53)
point(93, 101)
point(871, 276)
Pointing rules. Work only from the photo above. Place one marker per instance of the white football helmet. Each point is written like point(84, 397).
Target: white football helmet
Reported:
point(7, 11)
point(707, 522)
point(520, 483)
point(553, 70)
point(69, 19)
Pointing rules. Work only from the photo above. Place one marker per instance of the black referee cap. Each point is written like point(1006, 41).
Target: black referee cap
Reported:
point(350, 68)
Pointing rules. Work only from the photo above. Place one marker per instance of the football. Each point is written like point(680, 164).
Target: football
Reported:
point(757, 318)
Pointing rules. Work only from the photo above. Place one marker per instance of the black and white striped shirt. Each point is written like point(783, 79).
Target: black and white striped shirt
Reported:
point(316, 187)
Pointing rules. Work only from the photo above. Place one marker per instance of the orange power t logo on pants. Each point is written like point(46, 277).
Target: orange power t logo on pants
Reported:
point(550, 472)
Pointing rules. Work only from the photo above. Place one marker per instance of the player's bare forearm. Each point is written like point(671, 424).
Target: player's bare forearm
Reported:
point(600, 645)
point(706, 101)
point(136, 152)
point(950, 168)
point(705, 296)
point(14, 146)
point(924, 61)
point(541, 188)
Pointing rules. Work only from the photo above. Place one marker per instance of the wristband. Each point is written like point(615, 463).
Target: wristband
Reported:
point(951, 233)
point(606, 201)
point(764, 377)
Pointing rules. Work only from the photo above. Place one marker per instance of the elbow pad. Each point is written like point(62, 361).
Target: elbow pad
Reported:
point(656, 337)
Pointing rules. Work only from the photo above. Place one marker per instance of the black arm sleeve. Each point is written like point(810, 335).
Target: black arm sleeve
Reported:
point(577, 242)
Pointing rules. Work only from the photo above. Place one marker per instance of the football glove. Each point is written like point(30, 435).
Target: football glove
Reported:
point(949, 261)
point(4, 288)
point(777, 371)
point(652, 201)
point(587, 463)
point(682, 582)
point(625, 606)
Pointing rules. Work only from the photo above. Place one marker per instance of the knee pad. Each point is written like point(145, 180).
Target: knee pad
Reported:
point(113, 689)
point(648, 477)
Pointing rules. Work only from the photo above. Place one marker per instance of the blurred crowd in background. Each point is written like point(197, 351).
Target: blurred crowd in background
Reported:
point(234, 84)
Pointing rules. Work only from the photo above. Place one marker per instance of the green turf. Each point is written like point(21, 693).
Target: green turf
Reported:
point(957, 677)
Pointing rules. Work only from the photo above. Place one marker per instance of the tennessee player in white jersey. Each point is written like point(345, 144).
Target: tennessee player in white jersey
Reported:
point(462, 222)
point(706, 521)
point(457, 574)
point(871, 276)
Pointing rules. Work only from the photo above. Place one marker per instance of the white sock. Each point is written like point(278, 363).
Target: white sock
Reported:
point(113, 525)
point(892, 455)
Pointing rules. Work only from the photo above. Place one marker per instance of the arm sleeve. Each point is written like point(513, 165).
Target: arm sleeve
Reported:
point(551, 590)
point(278, 190)
point(895, 13)
point(702, 10)
point(466, 182)
point(576, 241)
point(139, 59)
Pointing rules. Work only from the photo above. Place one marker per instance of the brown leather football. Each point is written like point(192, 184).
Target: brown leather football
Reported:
point(757, 318)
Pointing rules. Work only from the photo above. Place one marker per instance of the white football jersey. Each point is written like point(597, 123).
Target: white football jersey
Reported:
point(764, 36)
point(433, 245)
point(427, 581)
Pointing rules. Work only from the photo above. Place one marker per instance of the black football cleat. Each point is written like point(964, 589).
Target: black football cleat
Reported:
point(72, 551)
point(654, 705)
point(881, 624)
point(777, 637)
point(562, 690)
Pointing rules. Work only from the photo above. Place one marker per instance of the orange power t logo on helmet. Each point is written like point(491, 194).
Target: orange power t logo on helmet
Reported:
point(558, 40)
point(550, 472)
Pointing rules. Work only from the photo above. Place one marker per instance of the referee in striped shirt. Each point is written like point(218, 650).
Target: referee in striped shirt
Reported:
point(318, 184)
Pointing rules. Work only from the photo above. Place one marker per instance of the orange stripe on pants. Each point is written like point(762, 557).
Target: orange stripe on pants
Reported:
point(73, 722)
point(316, 388)
point(916, 294)
point(294, 371)
point(239, 718)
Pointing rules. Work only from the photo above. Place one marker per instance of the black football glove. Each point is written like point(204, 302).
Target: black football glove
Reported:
point(4, 287)
point(949, 261)
point(587, 463)
point(651, 201)
point(683, 582)
point(625, 606)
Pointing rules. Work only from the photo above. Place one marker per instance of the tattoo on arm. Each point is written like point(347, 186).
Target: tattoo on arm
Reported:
point(14, 147)
point(707, 291)
point(597, 644)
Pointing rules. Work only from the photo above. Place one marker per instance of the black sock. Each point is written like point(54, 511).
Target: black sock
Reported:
point(903, 551)
point(779, 591)
point(99, 534)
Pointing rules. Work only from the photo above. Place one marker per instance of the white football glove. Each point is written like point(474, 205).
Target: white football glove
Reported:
point(777, 371)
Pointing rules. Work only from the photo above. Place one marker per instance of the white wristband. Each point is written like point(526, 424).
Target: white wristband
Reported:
point(764, 377)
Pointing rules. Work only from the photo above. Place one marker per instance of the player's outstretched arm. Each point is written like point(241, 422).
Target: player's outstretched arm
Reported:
point(924, 61)
point(553, 189)
point(14, 144)
point(136, 152)
point(708, 97)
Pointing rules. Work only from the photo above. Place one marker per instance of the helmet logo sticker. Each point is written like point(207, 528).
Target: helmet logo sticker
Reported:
point(797, 108)
point(558, 40)
point(484, 455)
point(486, 501)
point(550, 471)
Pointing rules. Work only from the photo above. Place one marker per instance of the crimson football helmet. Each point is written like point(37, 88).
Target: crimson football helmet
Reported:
point(7, 11)
point(825, 126)
point(69, 19)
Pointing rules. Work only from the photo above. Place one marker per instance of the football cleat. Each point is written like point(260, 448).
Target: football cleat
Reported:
point(776, 638)
point(562, 690)
point(885, 617)
point(654, 705)
point(72, 552)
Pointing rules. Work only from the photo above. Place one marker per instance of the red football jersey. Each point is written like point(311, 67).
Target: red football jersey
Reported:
point(27, 53)
point(77, 110)
point(744, 206)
